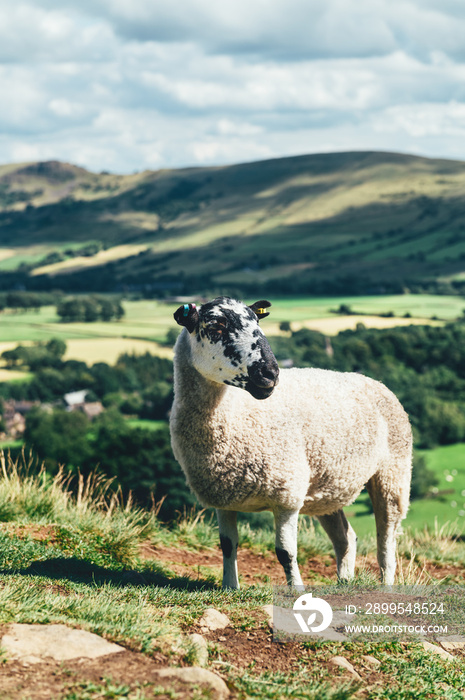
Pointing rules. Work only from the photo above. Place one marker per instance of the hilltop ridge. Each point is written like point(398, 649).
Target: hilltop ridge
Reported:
point(354, 221)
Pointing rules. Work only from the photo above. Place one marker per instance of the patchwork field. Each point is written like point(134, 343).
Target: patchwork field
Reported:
point(147, 322)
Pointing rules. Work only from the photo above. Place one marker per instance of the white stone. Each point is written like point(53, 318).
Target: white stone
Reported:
point(213, 619)
point(342, 662)
point(455, 641)
point(34, 643)
point(268, 610)
point(434, 649)
point(283, 620)
point(195, 675)
point(371, 660)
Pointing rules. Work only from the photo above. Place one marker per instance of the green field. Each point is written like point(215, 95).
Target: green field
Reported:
point(151, 320)
point(146, 423)
point(447, 506)
point(426, 306)
point(146, 322)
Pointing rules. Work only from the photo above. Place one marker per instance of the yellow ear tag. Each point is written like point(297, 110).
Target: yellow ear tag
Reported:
point(260, 311)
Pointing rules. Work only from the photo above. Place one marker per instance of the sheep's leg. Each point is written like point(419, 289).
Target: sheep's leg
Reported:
point(344, 540)
point(389, 509)
point(227, 523)
point(286, 545)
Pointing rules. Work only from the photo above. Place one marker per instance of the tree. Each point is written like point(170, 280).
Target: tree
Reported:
point(58, 437)
point(423, 478)
point(89, 309)
point(56, 347)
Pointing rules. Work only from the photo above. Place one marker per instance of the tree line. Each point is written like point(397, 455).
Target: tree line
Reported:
point(75, 309)
point(89, 309)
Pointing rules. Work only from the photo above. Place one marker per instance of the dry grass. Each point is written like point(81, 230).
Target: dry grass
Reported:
point(92, 350)
point(9, 375)
point(336, 324)
point(332, 325)
point(101, 258)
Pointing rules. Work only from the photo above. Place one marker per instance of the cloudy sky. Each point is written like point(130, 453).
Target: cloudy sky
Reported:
point(125, 85)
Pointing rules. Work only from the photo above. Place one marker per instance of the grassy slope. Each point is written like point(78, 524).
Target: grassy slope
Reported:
point(87, 571)
point(377, 214)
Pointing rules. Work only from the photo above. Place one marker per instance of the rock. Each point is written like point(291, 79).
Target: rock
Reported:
point(342, 662)
point(213, 620)
point(434, 649)
point(371, 661)
point(200, 646)
point(35, 643)
point(285, 624)
point(194, 676)
point(453, 642)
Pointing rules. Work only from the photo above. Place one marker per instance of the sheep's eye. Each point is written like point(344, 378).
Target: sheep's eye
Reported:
point(215, 330)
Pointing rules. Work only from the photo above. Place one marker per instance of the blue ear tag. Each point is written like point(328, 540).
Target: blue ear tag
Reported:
point(186, 309)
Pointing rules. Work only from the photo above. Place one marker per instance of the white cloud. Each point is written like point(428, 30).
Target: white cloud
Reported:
point(287, 28)
point(423, 120)
point(226, 127)
point(128, 84)
point(234, 150)
point(29, 33)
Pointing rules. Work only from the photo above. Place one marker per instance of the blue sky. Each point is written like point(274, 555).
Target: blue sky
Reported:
point(125, 85)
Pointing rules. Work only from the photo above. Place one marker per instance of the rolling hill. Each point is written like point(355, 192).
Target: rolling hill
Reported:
point(341, 222)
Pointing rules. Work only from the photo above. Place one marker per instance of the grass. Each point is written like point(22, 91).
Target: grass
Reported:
point(71, 555)
point(146, 423)
point(424, 306)
point(447, 506)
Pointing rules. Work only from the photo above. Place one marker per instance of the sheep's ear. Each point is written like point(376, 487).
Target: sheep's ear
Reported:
point(259, 308)
point(188, 316)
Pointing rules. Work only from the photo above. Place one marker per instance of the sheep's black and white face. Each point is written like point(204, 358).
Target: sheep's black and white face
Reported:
point(229, 347)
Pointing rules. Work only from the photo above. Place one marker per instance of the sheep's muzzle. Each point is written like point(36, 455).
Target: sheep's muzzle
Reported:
point(263, 375)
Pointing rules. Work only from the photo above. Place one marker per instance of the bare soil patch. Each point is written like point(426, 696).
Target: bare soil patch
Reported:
point(40, 533)
point(256, 568)
point(254, 649)
point(52, 679)
point(253, 567)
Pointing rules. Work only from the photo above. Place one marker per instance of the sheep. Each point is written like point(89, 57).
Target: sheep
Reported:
point(307, 443)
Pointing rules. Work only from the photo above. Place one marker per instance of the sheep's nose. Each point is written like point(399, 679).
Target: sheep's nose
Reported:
point(264, 375)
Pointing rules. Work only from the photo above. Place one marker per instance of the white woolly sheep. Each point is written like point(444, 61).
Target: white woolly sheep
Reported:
point(310, 446)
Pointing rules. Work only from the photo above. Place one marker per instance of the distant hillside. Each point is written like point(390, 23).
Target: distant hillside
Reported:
point(340, 222)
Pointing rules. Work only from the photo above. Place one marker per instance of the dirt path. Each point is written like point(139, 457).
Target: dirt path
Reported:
point(256, 568)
